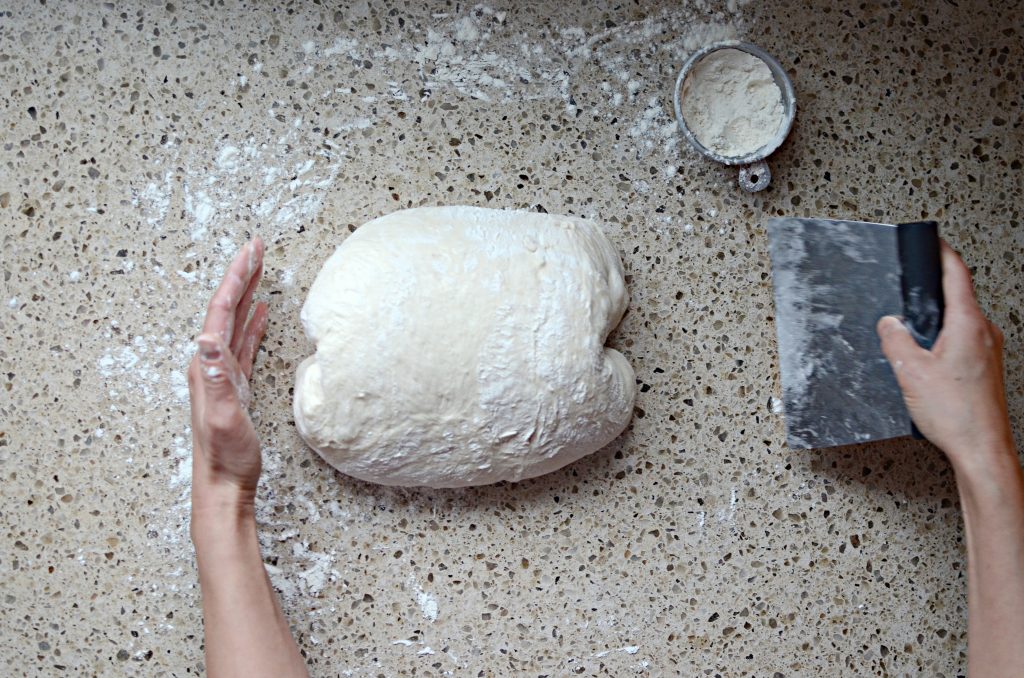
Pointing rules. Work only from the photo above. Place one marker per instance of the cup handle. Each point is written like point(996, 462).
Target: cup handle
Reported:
point(755, 177)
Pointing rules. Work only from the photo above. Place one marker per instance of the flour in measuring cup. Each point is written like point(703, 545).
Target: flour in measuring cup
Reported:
point(731, 103)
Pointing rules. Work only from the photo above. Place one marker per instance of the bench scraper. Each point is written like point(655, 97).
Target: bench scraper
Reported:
point(833, 281)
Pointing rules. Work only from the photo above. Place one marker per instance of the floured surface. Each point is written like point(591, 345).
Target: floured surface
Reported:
point(698, 538)
point(461, 346)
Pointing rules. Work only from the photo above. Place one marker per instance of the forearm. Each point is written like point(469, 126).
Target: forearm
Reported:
point(246, 631)
point(992, 498)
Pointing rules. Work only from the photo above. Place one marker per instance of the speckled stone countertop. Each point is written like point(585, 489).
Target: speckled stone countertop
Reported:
point(141, 143)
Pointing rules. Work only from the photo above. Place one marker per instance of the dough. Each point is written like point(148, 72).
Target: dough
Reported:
point(462, 346)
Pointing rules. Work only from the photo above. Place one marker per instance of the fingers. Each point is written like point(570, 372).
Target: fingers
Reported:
point(213, 369)
point(255, 270)
point(224, 391)
point(956, 283)
point(899, 347)
point(220, 314)
point(251, 338)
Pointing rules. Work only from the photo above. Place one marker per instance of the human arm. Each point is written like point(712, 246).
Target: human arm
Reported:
point(956, 396)
point(246, 631)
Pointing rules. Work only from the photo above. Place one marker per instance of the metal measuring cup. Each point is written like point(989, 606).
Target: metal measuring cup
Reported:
point(754, 172)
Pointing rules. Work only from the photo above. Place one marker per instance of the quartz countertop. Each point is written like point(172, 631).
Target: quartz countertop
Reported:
point(142, 143)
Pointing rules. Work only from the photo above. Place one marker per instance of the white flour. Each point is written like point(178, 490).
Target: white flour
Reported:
point(483, 55)
point(271, 179)
point(731, 103)
point(427, 602)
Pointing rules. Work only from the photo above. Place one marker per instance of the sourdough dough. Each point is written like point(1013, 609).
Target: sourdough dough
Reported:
point(461, 346)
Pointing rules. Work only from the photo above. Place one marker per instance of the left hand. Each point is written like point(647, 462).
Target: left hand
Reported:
point(226, 451)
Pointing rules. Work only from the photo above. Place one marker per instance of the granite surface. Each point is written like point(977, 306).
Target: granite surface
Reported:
point(142, 142)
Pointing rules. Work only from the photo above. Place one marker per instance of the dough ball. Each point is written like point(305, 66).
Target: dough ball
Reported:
point(462, 346)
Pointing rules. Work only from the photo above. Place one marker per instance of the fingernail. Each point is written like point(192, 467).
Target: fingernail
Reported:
point(209, 350)
point(251, 256)
point(891, 322)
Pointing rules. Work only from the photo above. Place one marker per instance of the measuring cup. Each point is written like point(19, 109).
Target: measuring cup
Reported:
point(754, 172)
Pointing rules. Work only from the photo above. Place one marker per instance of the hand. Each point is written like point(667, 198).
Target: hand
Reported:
point(226, 452)
point(954, 392)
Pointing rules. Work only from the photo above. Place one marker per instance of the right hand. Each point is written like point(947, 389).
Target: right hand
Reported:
point(955, 392)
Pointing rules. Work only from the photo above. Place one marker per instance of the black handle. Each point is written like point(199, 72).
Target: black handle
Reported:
point(921, 283)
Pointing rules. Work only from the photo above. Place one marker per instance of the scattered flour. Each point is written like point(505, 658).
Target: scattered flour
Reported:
point(269, 179)
point(140, 368)
point(728, 514)
point(428, 603)
point(319, 572)
point(629, 649)
point(155, 199)
point(482, 56)
point(150, 368)
point(274, 181)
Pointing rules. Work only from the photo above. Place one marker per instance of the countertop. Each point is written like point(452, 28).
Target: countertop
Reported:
point(142, 143)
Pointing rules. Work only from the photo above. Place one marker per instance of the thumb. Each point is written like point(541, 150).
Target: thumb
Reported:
point(898, 345)
point(217, 374)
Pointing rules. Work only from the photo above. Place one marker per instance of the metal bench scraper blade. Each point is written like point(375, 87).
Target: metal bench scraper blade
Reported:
point(833, 280)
